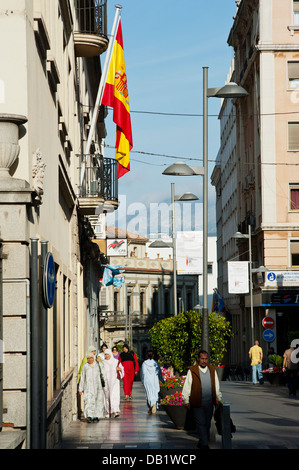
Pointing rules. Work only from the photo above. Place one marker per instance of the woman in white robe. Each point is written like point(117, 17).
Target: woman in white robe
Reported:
point(150, 372)
point(113, 370)
point(92, 389)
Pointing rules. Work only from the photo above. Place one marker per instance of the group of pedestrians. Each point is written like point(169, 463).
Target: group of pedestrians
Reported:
point(99, 380)
point(289, 366)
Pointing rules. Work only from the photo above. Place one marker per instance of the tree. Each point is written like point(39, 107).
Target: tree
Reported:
point(177, 339)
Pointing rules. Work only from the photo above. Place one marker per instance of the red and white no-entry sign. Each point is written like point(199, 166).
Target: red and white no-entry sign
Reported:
point(268, 322)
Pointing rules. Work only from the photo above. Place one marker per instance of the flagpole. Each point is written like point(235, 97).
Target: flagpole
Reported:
point(101, 87)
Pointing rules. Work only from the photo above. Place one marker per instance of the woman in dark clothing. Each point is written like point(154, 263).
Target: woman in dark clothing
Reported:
point(129, 361)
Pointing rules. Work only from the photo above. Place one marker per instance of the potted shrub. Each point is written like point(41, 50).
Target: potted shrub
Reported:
point(274, 373)
point(177, 339)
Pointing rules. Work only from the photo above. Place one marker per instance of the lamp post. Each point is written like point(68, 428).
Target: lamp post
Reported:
point(239, 235)
point(161, 244)
point(128, 315)
point(230, 90)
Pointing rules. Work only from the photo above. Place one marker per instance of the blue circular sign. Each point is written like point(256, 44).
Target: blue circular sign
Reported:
point(271, 277)
point(269, 335)
point(49, 280)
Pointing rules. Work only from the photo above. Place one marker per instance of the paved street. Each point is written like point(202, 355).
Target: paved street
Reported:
point(265, 418)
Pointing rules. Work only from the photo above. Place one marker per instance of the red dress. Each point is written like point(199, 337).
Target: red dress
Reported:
point(130, 364)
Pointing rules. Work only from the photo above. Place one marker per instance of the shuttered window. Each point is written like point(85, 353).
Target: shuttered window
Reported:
point(293, 136)
point(294, 252)
point(294, 197)
point(296, 12)
point(293, 74)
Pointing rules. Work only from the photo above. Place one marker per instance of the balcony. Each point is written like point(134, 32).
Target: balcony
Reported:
point(98, 184)
point(91, 38)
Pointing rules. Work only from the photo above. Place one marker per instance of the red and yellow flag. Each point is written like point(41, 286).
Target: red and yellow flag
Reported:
point(116, 96)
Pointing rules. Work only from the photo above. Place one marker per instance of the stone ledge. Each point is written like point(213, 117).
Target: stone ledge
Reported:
point(12, 439)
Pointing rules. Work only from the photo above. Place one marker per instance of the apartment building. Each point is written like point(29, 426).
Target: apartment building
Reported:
point(265, 39)
point(146, 296)
point(49, 192)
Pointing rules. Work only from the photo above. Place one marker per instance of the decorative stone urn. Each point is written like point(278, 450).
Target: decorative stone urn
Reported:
point(9, 141)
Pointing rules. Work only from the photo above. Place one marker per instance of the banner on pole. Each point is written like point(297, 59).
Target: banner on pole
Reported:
point(238, 278)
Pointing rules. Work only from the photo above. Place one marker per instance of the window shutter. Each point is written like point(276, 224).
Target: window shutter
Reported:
point(293, 136)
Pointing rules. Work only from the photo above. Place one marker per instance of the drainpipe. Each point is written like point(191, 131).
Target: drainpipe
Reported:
point(44, 335)
point(35, 346)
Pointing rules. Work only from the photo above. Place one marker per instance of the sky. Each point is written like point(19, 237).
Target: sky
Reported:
point(166, 45)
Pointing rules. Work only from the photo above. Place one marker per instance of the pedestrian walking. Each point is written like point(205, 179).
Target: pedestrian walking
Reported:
point(92, 349)
point(115, 352)
point(92, 389)
point(290, 367)
point(256, 356)
point(200, 393)
point(114, 372)
point(149, 375)
point(129, 361)
point(103, 347)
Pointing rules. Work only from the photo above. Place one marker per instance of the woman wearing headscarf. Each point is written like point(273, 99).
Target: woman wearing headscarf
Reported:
point(129, 361)
point(92, 349)
point(115, 352)
point(150, 372)
point(91, 387)
point(114, 371)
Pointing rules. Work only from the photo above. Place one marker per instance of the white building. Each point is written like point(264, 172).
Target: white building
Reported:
point(50, 72)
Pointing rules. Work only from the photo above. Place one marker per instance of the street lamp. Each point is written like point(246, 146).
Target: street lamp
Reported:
point(128, 314)
point(161, 244)
point(230, 90)
point(239, 235)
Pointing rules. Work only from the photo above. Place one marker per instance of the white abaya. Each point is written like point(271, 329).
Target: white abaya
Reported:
point(150, 380)
point(112, 395)
point(93, 394)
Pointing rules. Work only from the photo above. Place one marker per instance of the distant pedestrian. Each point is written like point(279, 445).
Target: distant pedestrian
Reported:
point(92, 389)
point(150, 374)
point(103, 347)
point(290, 367)
point(114, 372)
point(115, 352)
point(200, 394)
point(129, 361)
point(256, 356)
point(92, 349)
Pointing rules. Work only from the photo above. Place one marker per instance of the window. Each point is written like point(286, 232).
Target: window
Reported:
point(294, 252)
point(293, 136)
point(296, 12)
point(293, 75)
point(115, 302)
point(294, 197)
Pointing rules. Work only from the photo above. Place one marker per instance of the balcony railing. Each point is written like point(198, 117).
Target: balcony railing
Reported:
point(91, 38)
point(99, 182)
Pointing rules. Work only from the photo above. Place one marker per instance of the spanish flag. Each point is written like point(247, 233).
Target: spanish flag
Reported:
point(116, 96)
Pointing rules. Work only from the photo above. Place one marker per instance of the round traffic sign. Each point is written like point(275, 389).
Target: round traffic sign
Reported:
point(268, 322)
point(269, 335)
point(49, 281)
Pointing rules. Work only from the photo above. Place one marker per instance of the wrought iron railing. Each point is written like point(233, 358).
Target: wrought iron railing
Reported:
point(98, 177)
point(92, 16)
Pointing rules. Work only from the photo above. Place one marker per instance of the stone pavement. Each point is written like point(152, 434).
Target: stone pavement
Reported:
point(134, 429)
point(265, 418)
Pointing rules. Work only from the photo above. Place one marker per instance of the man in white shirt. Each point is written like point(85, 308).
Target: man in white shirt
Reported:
point(201, 392)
